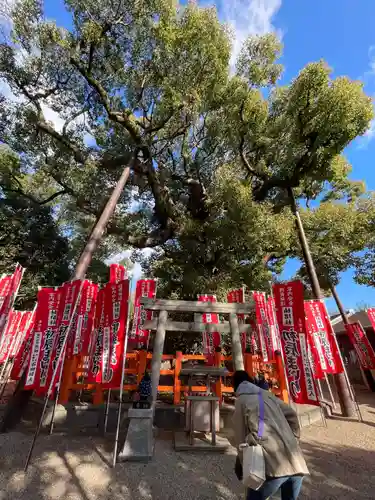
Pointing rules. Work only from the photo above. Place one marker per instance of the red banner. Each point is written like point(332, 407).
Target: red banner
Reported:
point(324, 346)
point(22, 328)
point(361, 344)
point(117, 273)
point(82, 328)
point(96, 349)
point(87, 313)
point(314, 354)
point(116, 313)
point(45, 328)
point(144, 288)
point(67, 307)
point(22, 356)
point(238, 296)
point(291, 319)
point(10, 335)
point(371, 316)
point(8, 292)
point(211, 339)
point(265, 338)
point(273, 326)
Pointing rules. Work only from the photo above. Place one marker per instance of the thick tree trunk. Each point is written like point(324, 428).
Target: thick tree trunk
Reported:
point(346, 403)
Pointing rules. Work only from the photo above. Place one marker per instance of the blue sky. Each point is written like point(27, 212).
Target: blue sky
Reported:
point(339, 31)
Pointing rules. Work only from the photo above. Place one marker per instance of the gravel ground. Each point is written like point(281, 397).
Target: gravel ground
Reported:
point(341, 458)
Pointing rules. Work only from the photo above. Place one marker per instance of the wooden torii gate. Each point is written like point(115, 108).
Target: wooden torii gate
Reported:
point(139, 441)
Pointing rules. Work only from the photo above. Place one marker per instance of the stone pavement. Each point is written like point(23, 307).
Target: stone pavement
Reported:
point(341, 458)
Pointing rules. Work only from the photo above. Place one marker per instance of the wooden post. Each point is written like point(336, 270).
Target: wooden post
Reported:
point(281, 376)
point(157, 355)
point(142, 365)
point(249, 364)
point(177, 381)
point(236, 343)
point(98, 395)
point(69, 369)
point(218, 384)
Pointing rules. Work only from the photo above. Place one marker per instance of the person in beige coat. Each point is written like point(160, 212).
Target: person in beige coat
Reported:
point(284, 462)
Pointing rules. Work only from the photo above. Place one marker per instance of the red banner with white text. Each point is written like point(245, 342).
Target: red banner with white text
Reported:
point(315, 356)
point(238, 296)
point(324, 346)
point(9, 286)
point(144, 288)
point(22, 328)
point(82, 328)
point(22, 356)
point(362, 345)
point(211, 339)
point(96, 349)
point(265, 339)
point(116, 310)
point(70, 295)
point(273, 326)
point(291, 319)
point(117, 273)
point(10, 335)
point(45, 327)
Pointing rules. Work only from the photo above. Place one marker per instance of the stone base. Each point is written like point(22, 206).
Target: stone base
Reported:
point(201, 442)
point(139, 442)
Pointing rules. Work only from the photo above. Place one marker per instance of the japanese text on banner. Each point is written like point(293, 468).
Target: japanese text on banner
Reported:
point(45, 327)
point(118, 300)
point(211, 339)
point(362, 345)
point(291, 319)
point(69, 296)
point(265, 338)
point(117, 273)
point(96, 350)
point(144, 288)
point(22, 356)
point(10, 335)
point(324, 346)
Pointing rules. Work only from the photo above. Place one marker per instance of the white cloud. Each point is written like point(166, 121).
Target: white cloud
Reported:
point(248, 17)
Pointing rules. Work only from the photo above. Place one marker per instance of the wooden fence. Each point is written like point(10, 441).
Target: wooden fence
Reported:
point(137, 363)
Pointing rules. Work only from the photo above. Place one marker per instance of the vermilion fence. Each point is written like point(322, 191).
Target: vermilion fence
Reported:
point(137, 362)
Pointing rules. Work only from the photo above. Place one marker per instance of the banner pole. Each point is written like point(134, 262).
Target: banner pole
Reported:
point(351, 388)
point(345, 321)
point(122, 378)
point(50, 388)
point(106, 411)
point(57, 393)
point(330, 391)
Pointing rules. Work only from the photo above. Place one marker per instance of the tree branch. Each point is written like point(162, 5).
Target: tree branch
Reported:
point(123, 118)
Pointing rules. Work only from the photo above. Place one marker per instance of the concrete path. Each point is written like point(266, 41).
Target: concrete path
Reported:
point(341, 458)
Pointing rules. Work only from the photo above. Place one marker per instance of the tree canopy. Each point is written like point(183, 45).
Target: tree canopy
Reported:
point(212, 152)
point(28, 235)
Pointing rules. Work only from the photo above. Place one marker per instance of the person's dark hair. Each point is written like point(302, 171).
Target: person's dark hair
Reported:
point(239, 377)
point(146, 376)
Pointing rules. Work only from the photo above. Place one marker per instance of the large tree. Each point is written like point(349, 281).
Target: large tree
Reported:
point(29, 235)
point(148, 84)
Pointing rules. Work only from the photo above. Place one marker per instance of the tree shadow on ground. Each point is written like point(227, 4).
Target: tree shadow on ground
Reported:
point(77, 468)
point(338, 472)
